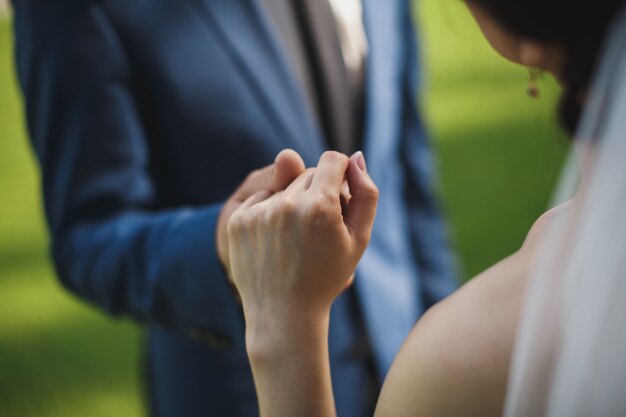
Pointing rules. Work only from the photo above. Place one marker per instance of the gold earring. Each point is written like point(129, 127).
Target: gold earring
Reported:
point(534, 74)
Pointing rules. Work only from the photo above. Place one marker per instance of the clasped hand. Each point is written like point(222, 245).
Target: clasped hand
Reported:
point(293, 252)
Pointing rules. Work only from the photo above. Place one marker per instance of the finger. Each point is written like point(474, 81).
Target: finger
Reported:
point(255, 198)
point(345, 197)
point(302, 183)
point(330, 173)
point(287, 166)
point(345, 189)
point(350, 281)
point(362, 206)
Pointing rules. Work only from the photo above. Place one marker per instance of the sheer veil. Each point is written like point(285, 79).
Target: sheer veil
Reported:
point(570, 354)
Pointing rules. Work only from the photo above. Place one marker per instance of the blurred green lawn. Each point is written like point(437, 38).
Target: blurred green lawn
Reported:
point(499, 153)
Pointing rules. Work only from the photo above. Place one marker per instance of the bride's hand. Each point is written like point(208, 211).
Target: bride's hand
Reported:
point(294, 252)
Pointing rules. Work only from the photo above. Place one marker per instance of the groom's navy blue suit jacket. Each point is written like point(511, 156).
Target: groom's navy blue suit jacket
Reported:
point(147, 114)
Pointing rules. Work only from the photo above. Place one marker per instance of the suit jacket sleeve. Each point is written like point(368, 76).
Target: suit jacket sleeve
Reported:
point(110, 244)
point(430, 237)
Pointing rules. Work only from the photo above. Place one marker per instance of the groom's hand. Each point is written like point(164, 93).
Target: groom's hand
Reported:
point(287, 166)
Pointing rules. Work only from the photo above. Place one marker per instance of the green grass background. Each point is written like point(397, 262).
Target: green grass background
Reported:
point(499, 154)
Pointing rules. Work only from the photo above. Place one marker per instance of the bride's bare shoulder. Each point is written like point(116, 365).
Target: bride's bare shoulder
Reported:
point(456, 360)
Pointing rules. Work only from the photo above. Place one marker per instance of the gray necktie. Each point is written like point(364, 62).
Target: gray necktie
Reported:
point(336, 96)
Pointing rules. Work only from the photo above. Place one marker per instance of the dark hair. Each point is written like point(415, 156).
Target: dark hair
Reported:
point(577, 26)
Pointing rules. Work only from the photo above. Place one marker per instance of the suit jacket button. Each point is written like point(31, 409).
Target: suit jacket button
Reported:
point(214, 340)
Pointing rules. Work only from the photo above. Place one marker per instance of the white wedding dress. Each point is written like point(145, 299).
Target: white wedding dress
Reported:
point(570, 354)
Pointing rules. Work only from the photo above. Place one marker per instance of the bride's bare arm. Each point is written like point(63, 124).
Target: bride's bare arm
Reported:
point(292, 254)
point(291, 367)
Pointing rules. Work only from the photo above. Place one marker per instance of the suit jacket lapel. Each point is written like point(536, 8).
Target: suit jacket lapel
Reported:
point(247, 36)
point(381, 106)
point(381, 283)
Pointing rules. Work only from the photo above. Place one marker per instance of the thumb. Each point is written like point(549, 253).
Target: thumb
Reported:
point(287, 166)
point(362, 206)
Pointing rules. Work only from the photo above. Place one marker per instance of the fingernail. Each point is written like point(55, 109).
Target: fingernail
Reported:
point(360, 161)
